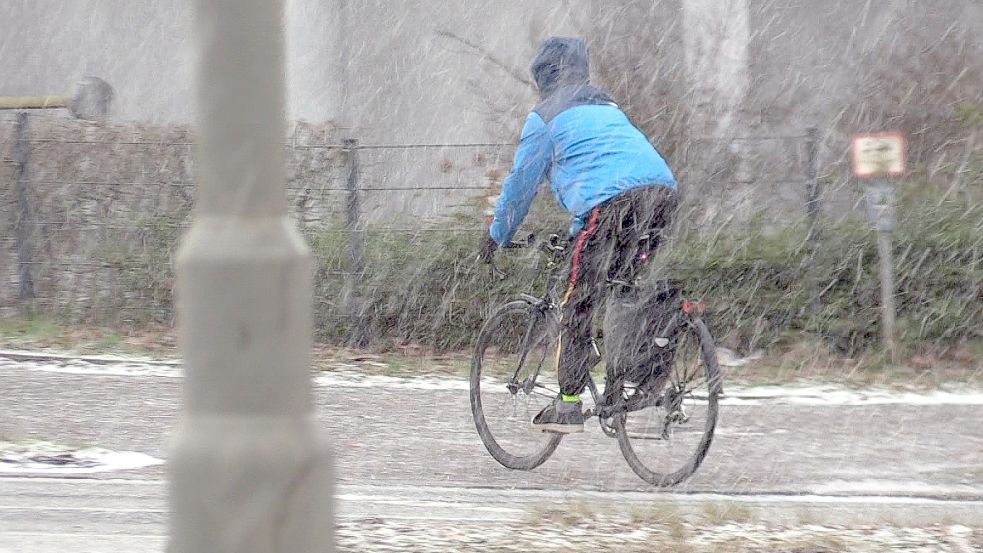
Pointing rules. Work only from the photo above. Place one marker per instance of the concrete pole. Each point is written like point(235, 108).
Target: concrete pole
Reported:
point(249, 471)
point(880, 200)
point(885, 252)
point(24, 227)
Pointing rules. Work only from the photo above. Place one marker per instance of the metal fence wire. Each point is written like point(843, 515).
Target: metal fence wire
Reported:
point(91, 215)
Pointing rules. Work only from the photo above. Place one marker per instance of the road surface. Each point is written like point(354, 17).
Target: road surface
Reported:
point(826, 469)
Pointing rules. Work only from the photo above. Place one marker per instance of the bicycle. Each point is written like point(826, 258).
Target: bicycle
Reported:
point(663, 421)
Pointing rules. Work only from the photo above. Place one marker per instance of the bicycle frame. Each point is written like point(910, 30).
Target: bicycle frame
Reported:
point(664, 383)
point(549, 301)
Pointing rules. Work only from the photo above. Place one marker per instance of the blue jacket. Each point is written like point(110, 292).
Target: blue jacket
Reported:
point(579, 139)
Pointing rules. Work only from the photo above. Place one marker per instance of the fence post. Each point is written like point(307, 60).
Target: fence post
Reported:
point(813, 211)
point(885, 249)
point(355, 265)
point(880, 200)
point(813, 207)
point(24, 226)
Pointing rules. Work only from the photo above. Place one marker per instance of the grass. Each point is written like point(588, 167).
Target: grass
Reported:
point(29, 330)
point(84, 339)
point(660, 515)
point(427, 291)
point(423, 299)
point(719, 514)
point(575, 513)
point(721, 527)
point(812, 359)
point(816, 544)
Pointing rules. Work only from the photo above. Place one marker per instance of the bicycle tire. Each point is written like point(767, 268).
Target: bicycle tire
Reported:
point(544, 444)
point(707, 350)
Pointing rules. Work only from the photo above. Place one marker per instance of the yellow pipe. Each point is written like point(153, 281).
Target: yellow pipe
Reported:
point(34, 102)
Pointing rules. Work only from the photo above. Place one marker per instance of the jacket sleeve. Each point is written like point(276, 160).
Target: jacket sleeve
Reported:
point(532, 162)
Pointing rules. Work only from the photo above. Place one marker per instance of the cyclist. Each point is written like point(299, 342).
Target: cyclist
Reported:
point(606, 174)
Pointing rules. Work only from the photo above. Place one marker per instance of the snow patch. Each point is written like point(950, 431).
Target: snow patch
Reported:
point(45, 458)
point(842, 395)
point(357, 380)
point(729, 358)
point(890, 487)
point(350, 376)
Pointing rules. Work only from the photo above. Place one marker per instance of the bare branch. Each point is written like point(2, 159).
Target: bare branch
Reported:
point(487, 56)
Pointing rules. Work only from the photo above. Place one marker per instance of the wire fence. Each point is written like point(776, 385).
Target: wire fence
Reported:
point(92, 215)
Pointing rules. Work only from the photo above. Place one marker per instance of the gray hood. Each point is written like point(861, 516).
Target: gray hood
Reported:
point(561, 62)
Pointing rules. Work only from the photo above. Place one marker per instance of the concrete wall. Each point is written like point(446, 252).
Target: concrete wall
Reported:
point(408, 72)
point(808, 57)
point(377, 65)
point(433, 72)
point(141, 48)
point(388, 70)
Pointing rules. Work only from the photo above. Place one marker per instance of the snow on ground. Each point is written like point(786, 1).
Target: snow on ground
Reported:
point(39, 458)
point(348, 375)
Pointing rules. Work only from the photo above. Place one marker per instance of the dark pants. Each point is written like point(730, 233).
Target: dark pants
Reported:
point(617, 240)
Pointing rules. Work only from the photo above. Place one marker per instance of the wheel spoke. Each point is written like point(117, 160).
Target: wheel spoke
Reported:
point(514, 344)
point(665, 443)
point(526, 345)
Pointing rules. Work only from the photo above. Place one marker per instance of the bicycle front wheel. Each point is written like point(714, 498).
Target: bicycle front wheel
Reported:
point(665, 437)
point(513, 377)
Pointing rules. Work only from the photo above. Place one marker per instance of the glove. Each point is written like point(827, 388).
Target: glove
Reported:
point(487, 247)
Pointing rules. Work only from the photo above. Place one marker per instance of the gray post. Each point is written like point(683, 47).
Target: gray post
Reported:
point(24, 228)
point(249, 470)
point(355, 265)
point(881, 211)
point(885, 251)
point(353, 206)
point(813, 211)
point(813, 207)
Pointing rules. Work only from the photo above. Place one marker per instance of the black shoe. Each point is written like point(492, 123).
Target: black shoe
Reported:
point(561, 417)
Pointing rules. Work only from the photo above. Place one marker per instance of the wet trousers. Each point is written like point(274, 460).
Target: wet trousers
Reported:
point(613, 247)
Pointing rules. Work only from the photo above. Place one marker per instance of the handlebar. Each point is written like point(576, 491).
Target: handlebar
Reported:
point(554, 246)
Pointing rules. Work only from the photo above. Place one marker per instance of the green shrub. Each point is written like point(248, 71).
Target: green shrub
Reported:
point(761, 288)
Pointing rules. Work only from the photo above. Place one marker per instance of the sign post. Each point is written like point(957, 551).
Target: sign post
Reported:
point(876, 159)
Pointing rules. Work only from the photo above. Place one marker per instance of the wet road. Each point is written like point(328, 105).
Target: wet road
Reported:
point(410, 464)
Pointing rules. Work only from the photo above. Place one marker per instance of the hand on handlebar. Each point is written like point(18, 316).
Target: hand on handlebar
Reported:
point(486, 248)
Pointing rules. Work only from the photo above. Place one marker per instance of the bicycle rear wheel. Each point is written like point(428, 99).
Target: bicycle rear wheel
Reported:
point(513, 377)
point(665, 437)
